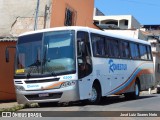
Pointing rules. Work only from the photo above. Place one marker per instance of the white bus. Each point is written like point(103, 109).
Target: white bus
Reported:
point(79, 63)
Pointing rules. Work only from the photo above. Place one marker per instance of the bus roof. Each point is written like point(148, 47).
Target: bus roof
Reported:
point(91, 30)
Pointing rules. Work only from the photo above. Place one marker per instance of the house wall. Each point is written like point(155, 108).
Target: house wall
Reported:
point(135, 24)
point(122, 24)
point(132, 22)
point(17, 16)
point(25, 24)
point(155, 50)
point(157, 74)
point(156, 56)
point(83, 8)
point(7, 91)
point(130, 33)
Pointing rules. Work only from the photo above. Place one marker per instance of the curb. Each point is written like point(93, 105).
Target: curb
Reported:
point(15, 107)
point(8, 105)
point(149, 92)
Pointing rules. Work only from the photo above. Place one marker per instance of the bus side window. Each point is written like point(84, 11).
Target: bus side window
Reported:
point(113, 48)
point(98, 45)
point(124, 47)
point(149, 53)
point(84, 61)
point(143, 52)
point(134, 51)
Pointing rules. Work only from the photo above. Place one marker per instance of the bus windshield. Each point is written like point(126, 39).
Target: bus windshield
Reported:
point(46, 53)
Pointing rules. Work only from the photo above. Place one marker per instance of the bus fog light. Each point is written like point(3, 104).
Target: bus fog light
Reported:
point(68, 83)
point(20, 88)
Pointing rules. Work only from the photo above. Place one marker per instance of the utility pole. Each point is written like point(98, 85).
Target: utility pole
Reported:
point(46, 13)
point(36, 16)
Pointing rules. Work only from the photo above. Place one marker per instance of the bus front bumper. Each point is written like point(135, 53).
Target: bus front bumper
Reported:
point(66, 94)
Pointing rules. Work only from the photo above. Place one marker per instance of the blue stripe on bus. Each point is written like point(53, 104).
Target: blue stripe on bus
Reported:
point(128, 82)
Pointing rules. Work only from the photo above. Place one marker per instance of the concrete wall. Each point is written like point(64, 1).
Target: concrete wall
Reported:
point(130, 33)
point(157, 61)
point(156, 72)
point(135, 24)
point(132, 22)
point(18, 15)
point(24, 24)
point(122, 24)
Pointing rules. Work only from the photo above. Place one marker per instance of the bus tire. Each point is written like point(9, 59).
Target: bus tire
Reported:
point(43, 104)
point(137, 90)
point(95, 95)
point(48, 104)
point(135, 94)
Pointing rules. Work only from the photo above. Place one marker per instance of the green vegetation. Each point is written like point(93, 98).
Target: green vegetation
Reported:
point(18, 107)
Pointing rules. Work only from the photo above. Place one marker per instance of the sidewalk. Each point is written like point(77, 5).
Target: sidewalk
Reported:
point(8, 104)
point(149, 92)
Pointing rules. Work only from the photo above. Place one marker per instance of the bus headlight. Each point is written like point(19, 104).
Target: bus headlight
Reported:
point(20, 88)
point(68, 83)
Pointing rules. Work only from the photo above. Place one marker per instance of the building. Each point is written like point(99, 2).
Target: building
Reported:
point(72, 13)
point(127, 25)
point(153, 36)
point(17, 16)
point(7, 91)
point(97, 12)
point(135, 33)
point(117, 22)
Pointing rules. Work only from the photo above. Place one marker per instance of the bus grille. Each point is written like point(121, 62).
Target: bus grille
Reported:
point(41, 81)
point(51, 96)
point(18, 82)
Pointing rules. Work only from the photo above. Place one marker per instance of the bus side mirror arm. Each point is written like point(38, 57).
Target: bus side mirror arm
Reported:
point(7, 52)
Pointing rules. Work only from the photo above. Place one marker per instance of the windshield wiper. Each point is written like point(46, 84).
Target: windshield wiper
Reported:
point(53, 73)
point(44, 63)
point(36, 64)
point(44, 59)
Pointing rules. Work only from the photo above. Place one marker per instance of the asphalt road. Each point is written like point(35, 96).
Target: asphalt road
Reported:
point(110, 106)
point(116, 103)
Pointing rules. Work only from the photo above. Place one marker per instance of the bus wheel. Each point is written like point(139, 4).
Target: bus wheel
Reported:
point(95, 95)
point(137, 90)
point(43, 104)
point(135, 94)
point(48, 104)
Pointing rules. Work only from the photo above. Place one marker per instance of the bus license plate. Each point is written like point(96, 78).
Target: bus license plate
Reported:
point(43, 95)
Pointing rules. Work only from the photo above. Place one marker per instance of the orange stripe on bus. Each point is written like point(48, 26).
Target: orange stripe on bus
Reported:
point(131, 75)
point(52, 86)
point(145, 71)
